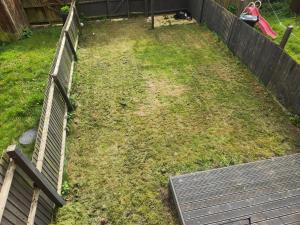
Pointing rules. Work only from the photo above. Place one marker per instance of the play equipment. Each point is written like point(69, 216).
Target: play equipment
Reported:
point(252, 16)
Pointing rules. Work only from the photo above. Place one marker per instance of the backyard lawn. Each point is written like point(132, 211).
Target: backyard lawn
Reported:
point(24, 67)
point(284, 18)
point(152, 104)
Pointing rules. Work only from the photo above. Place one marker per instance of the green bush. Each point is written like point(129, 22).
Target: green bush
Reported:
point(65, 9)
point(232, 8)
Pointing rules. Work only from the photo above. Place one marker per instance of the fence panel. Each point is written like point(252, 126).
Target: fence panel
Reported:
point(243, 42)
point(265, 59)
point(26, 203)
point(19, 199)
point(222, 20)
point(113, 8)
point(53, 144)
point(38, 11)
point(170, 6)
point(195, 8)
point(238, 4)
point(285, 81)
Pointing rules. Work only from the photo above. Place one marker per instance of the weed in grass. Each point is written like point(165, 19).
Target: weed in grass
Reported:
point(26, 33)
point(24, 67)
point(157, 103)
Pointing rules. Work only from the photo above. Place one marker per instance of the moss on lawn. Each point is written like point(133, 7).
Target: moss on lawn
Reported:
point(152, 104)
point(24, 67)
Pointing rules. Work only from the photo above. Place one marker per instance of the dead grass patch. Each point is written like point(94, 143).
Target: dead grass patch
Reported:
point(156, 89)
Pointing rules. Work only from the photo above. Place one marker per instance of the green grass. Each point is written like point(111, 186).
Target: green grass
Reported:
point(24, 67)
point(152, 104)
point(287, 18)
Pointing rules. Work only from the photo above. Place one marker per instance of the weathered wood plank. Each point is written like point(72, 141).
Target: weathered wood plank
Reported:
point(35, 175)
point(6, 186)
point(199, 203)
point(261, 191)
point(238, 170)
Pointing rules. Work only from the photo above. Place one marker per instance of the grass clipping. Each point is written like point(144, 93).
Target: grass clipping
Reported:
point(152, 104)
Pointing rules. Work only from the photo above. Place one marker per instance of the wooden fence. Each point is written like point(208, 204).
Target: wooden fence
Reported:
point(47, 11)
point(271, 64)
point(43, 11)
point(31, 189)
point(12, 20)
point(117, 8)
point(238, 4)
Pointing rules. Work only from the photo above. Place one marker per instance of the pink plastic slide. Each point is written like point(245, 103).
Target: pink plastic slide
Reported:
point(263, 25)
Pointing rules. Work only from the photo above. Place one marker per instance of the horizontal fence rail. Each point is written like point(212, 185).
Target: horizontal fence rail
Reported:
point(271, 64)
point(30, 190)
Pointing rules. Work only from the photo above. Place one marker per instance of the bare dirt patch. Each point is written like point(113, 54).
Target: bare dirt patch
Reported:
point(168, 20)
point(155, 90)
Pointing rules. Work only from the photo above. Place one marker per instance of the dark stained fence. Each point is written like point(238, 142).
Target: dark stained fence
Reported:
point(120, 8)
point(39, 11)
point(274, 68)
point(218, 19)
point(195, 8)
point(166, 6)
point(295, 6)
point(22, 202)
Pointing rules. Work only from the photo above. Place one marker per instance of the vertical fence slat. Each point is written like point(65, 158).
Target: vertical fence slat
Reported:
point(6, 186)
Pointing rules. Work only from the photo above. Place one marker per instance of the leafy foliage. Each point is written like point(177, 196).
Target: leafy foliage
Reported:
point(26, 33)
point(232, 8)
point(65, 9)
point(65, 188)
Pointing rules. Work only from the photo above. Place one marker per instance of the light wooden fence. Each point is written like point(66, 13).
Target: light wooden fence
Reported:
point(43, 11)
point(271, 64)
point(31, 189)
point(12, 20)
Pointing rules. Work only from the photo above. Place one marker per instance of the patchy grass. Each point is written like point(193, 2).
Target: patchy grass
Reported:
point(24, 67)
point(286, 17)
point(152, 104)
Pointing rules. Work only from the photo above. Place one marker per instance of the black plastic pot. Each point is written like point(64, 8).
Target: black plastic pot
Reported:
point(64, 17)
point(250, 20)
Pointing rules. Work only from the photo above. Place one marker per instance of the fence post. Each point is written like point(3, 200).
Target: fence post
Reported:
point(146, 8)
point(286, 36)
point(202, 11)
point(152, 14)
